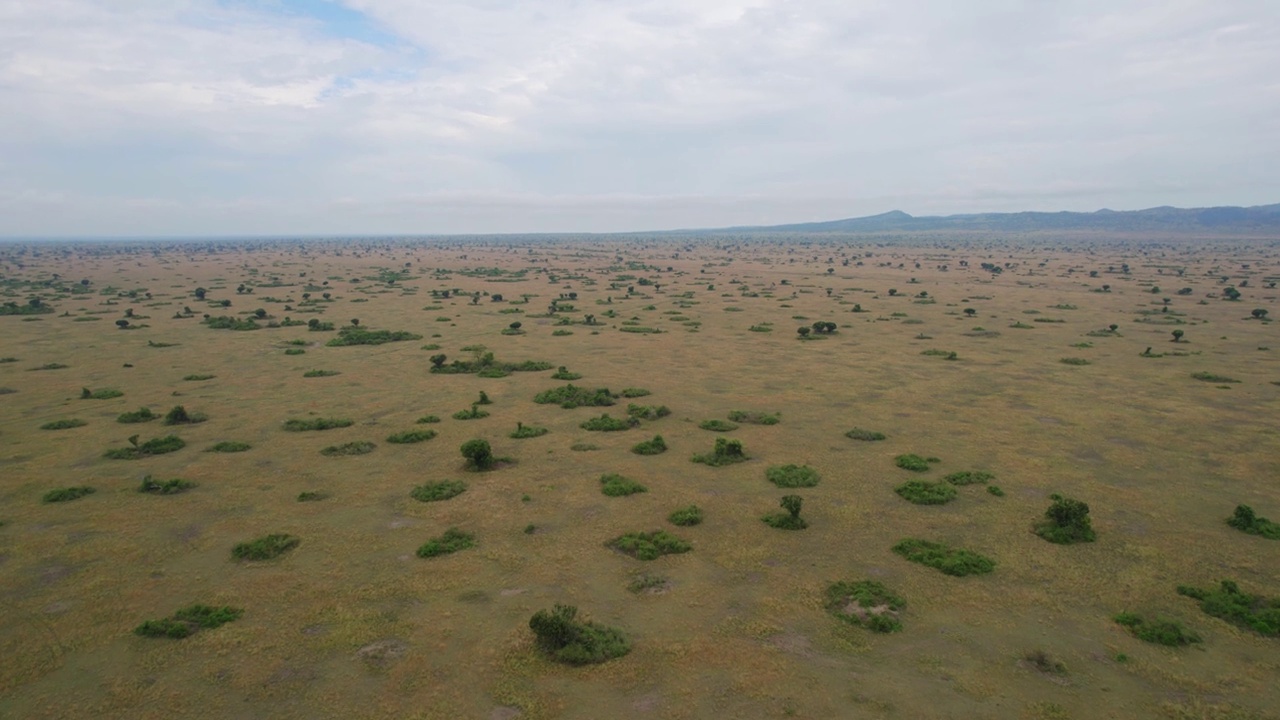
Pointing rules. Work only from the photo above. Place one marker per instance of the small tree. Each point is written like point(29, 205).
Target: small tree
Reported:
point(260, 313)
point(970, 312)
point(792, 504)
point(478, 454)
point(484, 399)
point(804, 331)
point(1177, 336)
point(200, 293)
point(1259, 314)
point(122, 323)
point(1113, 327)
point(437, 360)
point(515, 325)
point(355, 322)
point(1066, 521)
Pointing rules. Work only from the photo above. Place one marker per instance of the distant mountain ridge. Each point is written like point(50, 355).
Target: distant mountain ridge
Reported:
point(1260, 218)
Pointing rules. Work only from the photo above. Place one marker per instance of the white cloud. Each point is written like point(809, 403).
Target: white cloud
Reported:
point(609, 115)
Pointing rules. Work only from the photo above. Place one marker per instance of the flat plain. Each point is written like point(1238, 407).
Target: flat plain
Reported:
point(1049, 364)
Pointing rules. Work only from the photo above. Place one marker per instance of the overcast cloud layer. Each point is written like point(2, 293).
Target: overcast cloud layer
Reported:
point(200, 117)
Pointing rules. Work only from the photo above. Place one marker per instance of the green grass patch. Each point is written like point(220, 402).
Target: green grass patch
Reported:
point(178, 415)
point(295, 351)
point(451, 541)
point(266, 547)
point(358, 447)
point(605, 423)
point(615, 485)
point(1160, 632)
point(197, 378)
point(229, 446)
point(65, 424)
point(1227, 602)
point(648, 412)
point(1073, 361)
point(571, 396)
point(427, 419)
point(1214, 378)
point(188, 620)
point(995, 490)
point(100, 394)
point(67, 494)
point(320, 373)
point(140, 415)
point(301, 425)
point(792, 476)
point(686, 516)
point(437, 491)
point(912, 462)
point(409, 437)
point(922, 492)
point(650, 545)
point(866, 603)
point(312, 496)
point(348, 336)
point(1065, 522)
point(950, 561)
point(725, 452)
point(633, 392)
point(524, 432)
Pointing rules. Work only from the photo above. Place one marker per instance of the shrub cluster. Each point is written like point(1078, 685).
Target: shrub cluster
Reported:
point(650, 545)
point(615, 485)
point(1228, 602)
point(358, 447)
point(866, 603)
point(576, 642)
point(571, 396)
point(792, 476)
point(299, 425)
point(451, 541)
point(951, 561)
point(686, 516)
point(165, 487)
point(867, 435)
point(922, 492)
point(265, 547)
point(437, 491)
point(605, 423)
point(725, 452)
point(656, 446)
point(188, 620)
point(755, 418)
point(1160, 632)
point(1245, 520)
point(1066, 521)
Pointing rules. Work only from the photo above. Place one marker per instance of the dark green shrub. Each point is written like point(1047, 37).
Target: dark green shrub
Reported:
point(866, 603)
point(792, 476)
point(911, 462)
point(66, 424)
point(633, 392)
point(755, 418)
point(648, 412)
point(1210, 377)
point(1227, 602)
point(790, 520)
point(320, 373)
point(358, 447)
point(178, 415)
point(227, 322)
point(436, 491)
point(725, 452)
point(1066, 521)
point(475, 413)
point(196, 378)
point(575, 642)
point(995, 490)
point(312, 496)
point(686, 516)
point(656, 446)
point(969, 477)
point(188, 620)
point(867, 435)
point(265, 547)
point(615, 485)
point(451, 541)
point(605, 423)
point(648, 582)
point(299, 425)
point(478, 454)
point(523, 432)
point(229, 446)
point(572, 396)
point(950, 561)
point(1245, 520)
point(922, 492)
point(650, 545)
point(67, 494)
point(717, 425)
point(102, 394)
point(295, 351)
point(1160, 632)
point(356, 335)
point(583, 447)
point(563, 374)
point(138, 416)
point(154, 446)
point(411, 436)
point(1044, 662)
point(1073, 361)
point(166, 487)
point(427, 419)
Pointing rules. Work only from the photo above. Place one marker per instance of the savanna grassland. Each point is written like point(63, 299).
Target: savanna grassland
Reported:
point(347, 575)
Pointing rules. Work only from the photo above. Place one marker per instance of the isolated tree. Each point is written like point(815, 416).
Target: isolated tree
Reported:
point(355, 322)
point(970, 312)
point(1259, 314)
point(240, 289)
point(438, 360)
point(128, 312)
point(306, 296)
point(260, 313)
point(1106, 288)
point(327, 296)
point(515, 325)
point(792, 504)
point(484, 399)
point(200, 293)
point(478, 454)
point(1113, 327)
point(496, 297)
point(178, 415)
point(1231, 293)
point(313, 323)
point(122, 323)
point(804, 331)
point(893, 292)
point(226, 303)
point(1177, 336)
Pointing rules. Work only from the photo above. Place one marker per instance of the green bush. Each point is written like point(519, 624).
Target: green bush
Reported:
point(1227, 602)
point(563, 374)
point(792, 476)
point(475, 413)
point(650, 545)
point(969, 477)
point(229, 446)
point(102, 394)
point(312, 496)
point(478, 454)
point(571, 396)
point(922, 492)
point(411, 436)
point(950, 561)
point(648, 582)
point(1073, 361)
point(166, 487)
point(1066, 521)
point(437, 491)
point(524, 432)
point(614, 485)
point(717, 426)
point(428, 419)
point(295, 351)
point(995, 490)
point(605, 423)
point(66, 424)
point(648, 412)
point(1245, 520)
point(189, 620)
point(265, 547)
point(867, 435)
point(1210, 377)
point(725, 452)
point(686, 516)
point(320, 373)
point(154, 446)
point(575, 642)
point(911, 462)
point(656, 446)
point(632, 392)
point(755, 418)
point(140, 415)
point(196, 378)
point(355, 335)
point(1160, 632)
point(789, 520)
point(299, 425)
point(178, 415)
point(358, 447)
point(67, 494)
point(227, 322)
point(451, 541)
point(866, 603)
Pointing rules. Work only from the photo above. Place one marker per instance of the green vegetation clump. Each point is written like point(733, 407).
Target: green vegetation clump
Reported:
point(1227, 602)
point(576, 642)
point(650, 545)
point(1210, 377)
point(484, 365)
point(563, 373)
point(451, 541)
point(358, 447)
point(648, 412)
point(65, 424)
point(866, 603)
point(524, 432)
point(67, 494)
point(865, 435)
point(951, 561)
point(725, 452)
point(656, 446)
point(137, 416)
point(102, 394)
point(312, 496)
point(265, 547)
point(571, 396)
point(166, 487)
point(789, 520)
point(437, 491)
point(1245, 520)
point(792, 476)
point(478, 454)
point(649, 582)
point(686, 516)
point(995, 490)
point(1073, 361)
point(189, 620)
point(717, 426)
point(475, 413)
point(229, 446)
point(154, 446)
point(605, 423)
point(1160, 632)
point(196, 378)
point(632, 392)
point(969, 477)
point(356, 335)
point(912, 462)
point(295, 351)
point(300, 425)
point(227, 322)
point(178, 415)
point(755, 418)
point(428, 419)
point(411, 436)
point(615, 485)
point(922, 492)
point(320, 373)
point(1066, 521)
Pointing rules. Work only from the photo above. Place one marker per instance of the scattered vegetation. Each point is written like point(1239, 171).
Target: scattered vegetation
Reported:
point(1244, 520)
point(101, 394)
point(951, 561)
point(65, 424)
point(576, 642)
point(866, 603)
point(969, 477)
point(922, 492)
point(650, 545)
point(571, 396)
point(266, 547)
point(1160, 632)
point(686, 516)
point(409, 437)
point(755, 418)
point(614, 485)
point(656, 446)
point(67, 494)
point(725, 452)
point(911, 462)
point(1228, 602)
point(357, 447)
point(792, 476)
point(717, 426)
point(450, 542)
point(1066, 521)
point(789, 520)
point(152, 486)
point(189, 620)
point(140, 415)
point(229, 446)
point(320, 373)
point(866, 435)
point(154, 446)
point(299, 425)
point(605, 423)
point(437, 491)
point(355, 335)
point(1213, 378)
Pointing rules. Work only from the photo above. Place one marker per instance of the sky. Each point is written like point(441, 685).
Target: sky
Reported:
point(339, 117)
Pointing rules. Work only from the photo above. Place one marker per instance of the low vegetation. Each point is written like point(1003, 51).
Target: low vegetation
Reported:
point(755, 418)
point(67, 494)
point(686, 516)
point(300, 425)
point(566, 639)
point(65, 424)
point(408, 437)
point(100, 394)
point(865, 435)
point(355, 335)
point(152, 486)
point(1244, 520)
point(950, 561)
point(969, 477)
point(615, 485)
point(1159, 632)
point(717, 426)
point(789, 520)
point(437, 491)
point(266, 547)
point(229, 446)
point(606, 423)
point(648, 412)
point(140, 415)
point(1228, 602)
point(1066, 522)
point(911, 462)
point(792, 476)
point(154, 446)
point(356, 447)
point(649, 545)
point(451, 541)
point(571, 396)
point(188, 620)
point(922, 492)
point(725, 452)
point(866, 603)
point(656, 446)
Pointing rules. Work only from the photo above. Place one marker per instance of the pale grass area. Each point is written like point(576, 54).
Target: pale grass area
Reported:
point(352, 624)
